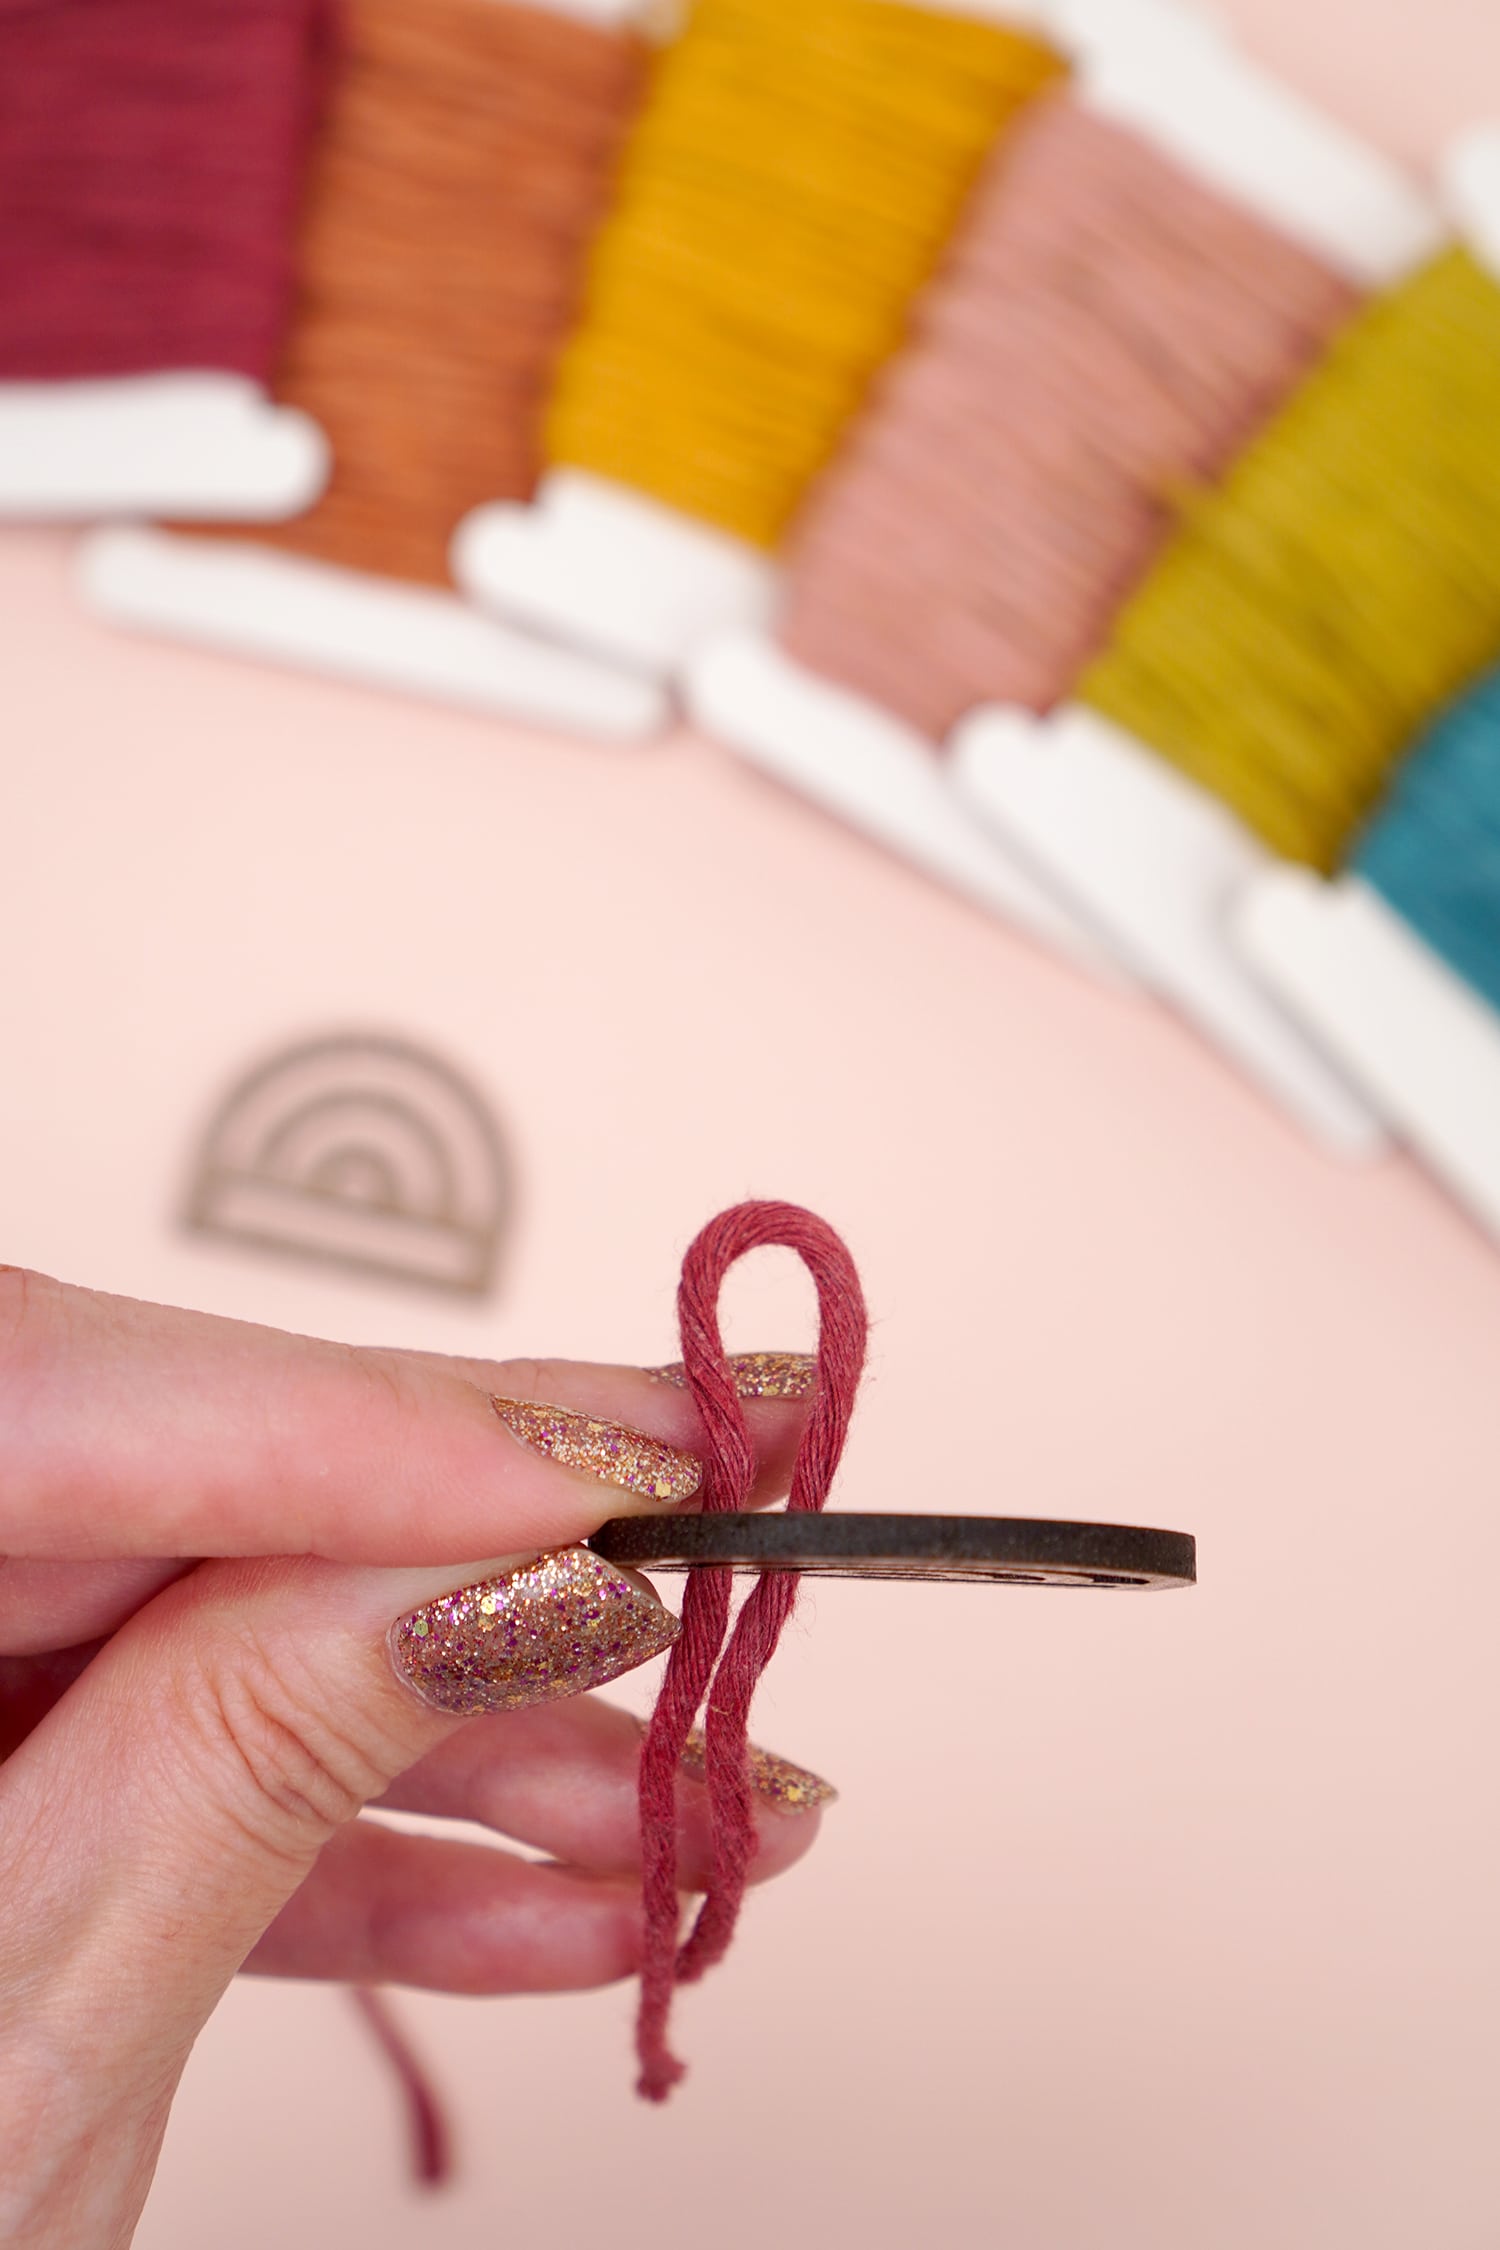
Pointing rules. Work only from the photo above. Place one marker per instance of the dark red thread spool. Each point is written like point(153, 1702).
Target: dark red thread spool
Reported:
point(151, 161)
point(701, 1664)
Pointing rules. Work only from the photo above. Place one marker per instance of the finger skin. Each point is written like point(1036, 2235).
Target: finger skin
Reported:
point(382, 1907)
point(218, 1741)
point(129, 1429)
point(563, 1778)
point(31, 1685)
point(54, 1605)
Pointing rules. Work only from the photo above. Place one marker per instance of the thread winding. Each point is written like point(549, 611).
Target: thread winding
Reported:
point(792, 178)
point(462, 171)
point(151, 163)
point(1433, 851)
point(1105, 331)
point(701, 1665)
point(1342, 584)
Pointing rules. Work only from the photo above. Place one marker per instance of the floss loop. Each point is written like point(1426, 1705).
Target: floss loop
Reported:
point(700, 1665)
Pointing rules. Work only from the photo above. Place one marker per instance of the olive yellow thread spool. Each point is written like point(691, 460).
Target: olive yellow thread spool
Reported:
point(1395, 964)
point(462, 171)
point(1306, 620)
point(791, 180)
point(1343, 583)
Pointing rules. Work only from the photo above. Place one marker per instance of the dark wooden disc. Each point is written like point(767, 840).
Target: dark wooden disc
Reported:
point(1012, 1550)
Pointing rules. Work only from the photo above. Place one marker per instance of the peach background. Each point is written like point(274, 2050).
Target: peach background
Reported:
point(1142, 1925)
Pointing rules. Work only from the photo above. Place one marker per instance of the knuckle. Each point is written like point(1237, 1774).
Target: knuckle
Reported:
point(278, 1765)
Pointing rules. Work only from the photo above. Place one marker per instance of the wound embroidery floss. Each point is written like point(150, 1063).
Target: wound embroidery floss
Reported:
point(463, 169)
point(459, 180)
point(793, 176)
point(1146, 269)
point(1106, 331)
point(1433, 851)
point(152, 155)
point(1261, 684)
point(1396, 963)
point(791, 180)
point(151, 163)
point(1343, 584)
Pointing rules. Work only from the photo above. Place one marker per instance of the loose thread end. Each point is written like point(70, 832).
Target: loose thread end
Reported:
point(431, 2139)
point(659, 2074)
point(701, 1664)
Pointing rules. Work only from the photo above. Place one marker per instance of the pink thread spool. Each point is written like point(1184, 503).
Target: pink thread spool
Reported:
point(1107, 332)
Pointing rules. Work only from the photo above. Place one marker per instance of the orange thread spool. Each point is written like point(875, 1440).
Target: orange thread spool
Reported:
point(466, 160)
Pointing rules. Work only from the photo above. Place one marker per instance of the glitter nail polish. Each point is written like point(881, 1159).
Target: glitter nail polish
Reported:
point(602, 1449)
point(758, 1374)
point(555, 1627)
point(790, 1788)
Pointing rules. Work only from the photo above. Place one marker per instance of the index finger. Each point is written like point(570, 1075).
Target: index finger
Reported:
point(135, 1429)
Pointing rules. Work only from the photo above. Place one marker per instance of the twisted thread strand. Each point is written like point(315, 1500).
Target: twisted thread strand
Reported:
point(701, 1666)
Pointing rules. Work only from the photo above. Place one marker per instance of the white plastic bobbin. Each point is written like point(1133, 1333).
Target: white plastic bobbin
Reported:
point(1175, 77)
point(1159, 864)
point(1425, 1048)
point(880, 775)
point(1471, 192)
point(184, 444)
point(611, 571)
point(379, 632)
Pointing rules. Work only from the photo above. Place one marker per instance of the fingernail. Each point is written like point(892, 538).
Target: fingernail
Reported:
point(758, 1374)
point(790, 1788)
point(602, 1449)
point(557, 1626)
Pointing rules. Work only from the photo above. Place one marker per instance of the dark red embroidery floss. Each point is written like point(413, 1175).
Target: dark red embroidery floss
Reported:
point(701, 1665)
point(431, 2137)
point(151, 159)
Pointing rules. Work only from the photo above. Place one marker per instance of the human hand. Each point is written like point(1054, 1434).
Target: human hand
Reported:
point(224, 1629)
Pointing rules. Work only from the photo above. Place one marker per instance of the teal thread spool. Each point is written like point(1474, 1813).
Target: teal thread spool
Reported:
point(1433, 850)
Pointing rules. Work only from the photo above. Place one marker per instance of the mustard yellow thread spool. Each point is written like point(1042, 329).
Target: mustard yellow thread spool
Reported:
point(796, 170)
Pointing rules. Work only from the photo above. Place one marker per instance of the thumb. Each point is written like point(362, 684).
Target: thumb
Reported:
point(167, 1808)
